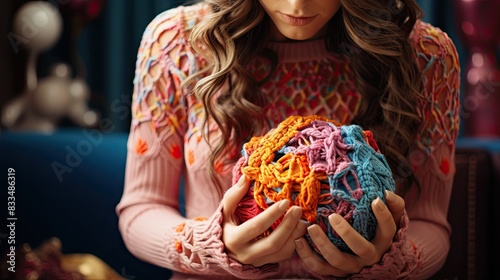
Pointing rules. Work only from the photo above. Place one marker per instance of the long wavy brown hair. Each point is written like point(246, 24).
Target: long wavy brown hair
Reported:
point(373, 35)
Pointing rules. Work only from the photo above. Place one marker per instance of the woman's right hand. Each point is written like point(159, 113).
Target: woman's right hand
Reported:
point(241, 241)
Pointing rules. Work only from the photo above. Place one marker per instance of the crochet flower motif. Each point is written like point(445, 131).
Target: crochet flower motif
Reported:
point(141, 147)
point(175, 151)
point(445, 166)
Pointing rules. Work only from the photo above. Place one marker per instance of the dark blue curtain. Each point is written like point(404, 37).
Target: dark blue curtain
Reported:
point(108, 46)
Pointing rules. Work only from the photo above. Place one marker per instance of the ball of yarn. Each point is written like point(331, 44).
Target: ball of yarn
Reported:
point(320, 165)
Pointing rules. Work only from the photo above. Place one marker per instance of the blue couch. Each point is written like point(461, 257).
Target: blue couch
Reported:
point(69, 182)
point(67, 185)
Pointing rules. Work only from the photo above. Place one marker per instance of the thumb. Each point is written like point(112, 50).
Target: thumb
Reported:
point(396, 205)
point(234, 195)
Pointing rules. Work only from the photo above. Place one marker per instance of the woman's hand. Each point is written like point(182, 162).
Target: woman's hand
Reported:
point(240, 240)
point(367, 253)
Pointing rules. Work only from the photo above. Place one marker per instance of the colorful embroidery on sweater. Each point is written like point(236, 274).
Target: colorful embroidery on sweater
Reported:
point(141, 146)
point(323, 86)
point(439, 107)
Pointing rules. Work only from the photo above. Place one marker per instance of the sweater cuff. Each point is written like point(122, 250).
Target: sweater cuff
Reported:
point(402, 261)
point(200, 250)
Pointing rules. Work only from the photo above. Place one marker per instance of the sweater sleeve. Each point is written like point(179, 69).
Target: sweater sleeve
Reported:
point(434, 158)
point(150, 222)
point(422, 243)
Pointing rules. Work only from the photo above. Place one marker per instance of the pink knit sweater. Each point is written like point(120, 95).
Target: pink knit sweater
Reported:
point(166, 143)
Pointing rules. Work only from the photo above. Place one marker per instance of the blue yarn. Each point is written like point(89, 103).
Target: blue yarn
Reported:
point(374, 175)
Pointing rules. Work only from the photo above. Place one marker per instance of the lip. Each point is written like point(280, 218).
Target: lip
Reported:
point(296, 21)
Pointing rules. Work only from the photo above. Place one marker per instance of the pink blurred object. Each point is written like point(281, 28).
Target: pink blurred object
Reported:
point(85, 9)
point(479, 24)
point(80, 13)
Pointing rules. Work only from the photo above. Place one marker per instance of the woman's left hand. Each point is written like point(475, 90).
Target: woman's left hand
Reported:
point(366, 253)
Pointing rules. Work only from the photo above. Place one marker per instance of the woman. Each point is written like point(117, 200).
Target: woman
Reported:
point(211, 75)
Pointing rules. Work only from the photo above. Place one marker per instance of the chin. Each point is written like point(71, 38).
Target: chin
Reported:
point(299, 37)
point(299, 34)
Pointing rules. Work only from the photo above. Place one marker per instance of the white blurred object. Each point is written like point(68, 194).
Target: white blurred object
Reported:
point(43, 104)
point(78, 110)
point(56, 96)
point(40, 24)
point(50, 99)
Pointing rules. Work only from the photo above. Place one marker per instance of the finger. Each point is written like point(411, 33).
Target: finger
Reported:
point(289, 246)
point(300, 230)
point(386, 228)
point(331, 253)
point(359, 245)
point(234, 195)
point(285, 252)
point(254, 227)
point(314, 262)
point(278, 246)
point(277, 254)
point(396, 205)
point(276, 257)
point(282, 233)
point(289, 223)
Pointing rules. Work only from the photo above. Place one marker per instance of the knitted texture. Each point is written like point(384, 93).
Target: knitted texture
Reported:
point(320, 165)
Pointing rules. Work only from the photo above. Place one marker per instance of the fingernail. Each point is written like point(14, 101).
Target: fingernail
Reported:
point(296, 212)
point(379, 204)
point(335, 219)
point(302, 225)
point(284, 204)
point(299, 244)
point(313, 231)
point(389, 196)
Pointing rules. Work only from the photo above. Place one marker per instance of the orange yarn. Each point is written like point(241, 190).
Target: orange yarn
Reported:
point(180, 227)
point(178, 246)
point(268, 176)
